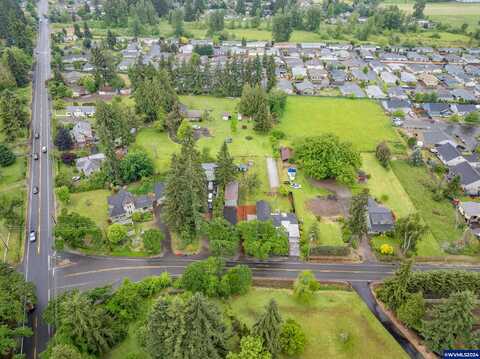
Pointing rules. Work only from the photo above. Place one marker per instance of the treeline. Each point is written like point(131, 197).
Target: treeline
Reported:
point(16, 296)
point(227, 80)
point(15, 29)
point(448, 325)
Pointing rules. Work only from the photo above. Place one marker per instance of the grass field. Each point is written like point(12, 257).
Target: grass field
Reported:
point(13, 240)
point(383, 182)
point(361, 122)
point(439, 216)
point(92, 204)
point(452, 13)
point(331, 314)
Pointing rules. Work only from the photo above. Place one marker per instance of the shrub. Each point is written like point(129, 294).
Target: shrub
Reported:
point(412, 311)
point(7, 157)
point(68, 158)
point(330, 251)
point(386, 249)
point(292, 338)
point(152, 240)
point(116, 233)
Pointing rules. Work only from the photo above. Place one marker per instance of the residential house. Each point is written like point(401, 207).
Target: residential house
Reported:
point(434, 138)
point(82, 133)
point(470, 211)
point(287, 222)
point(338, 77)
point(318, 76)
point(90, 164)
point(351, 89)
point(299, 73)
point(192, 115)
point(388, 78)
point(437, 109)
point(408, 78)
point(305, 88)
point(373, 91)
point(463, 95)
point(397, 93)
point(379, 218)
point(285, 86)
point(449, 155)
point(80, 111)
point(428, 80)
point(394, 105)
point(469, 177)
point(464, 109)
point(123, 205)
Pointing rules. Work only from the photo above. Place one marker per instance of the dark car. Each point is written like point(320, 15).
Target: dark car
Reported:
point(35, 190)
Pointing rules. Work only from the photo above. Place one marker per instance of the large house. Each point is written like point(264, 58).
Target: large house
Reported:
point(285, 221)
point(82, 133)
point(90, 164)
point(122, 205)
point(449, 155)
point(469, 177)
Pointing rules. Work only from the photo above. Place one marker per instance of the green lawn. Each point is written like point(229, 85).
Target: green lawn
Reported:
point(92, 204)
point(439, 216)
point(13, 240)
point(452, 13)
point(384, 182)
point(331, 314)
point(361, 122)
point(13, 176)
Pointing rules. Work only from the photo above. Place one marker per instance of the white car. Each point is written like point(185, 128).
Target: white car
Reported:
point(44, 149)
point(32, 237)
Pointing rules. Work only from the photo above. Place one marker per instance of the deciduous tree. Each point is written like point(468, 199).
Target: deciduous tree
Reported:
point(409, 230)
point(292, 338)
point(305, 287)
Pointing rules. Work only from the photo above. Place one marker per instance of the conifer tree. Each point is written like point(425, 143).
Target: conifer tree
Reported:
point(204, 335)
point(269, 327)
point(226, 170)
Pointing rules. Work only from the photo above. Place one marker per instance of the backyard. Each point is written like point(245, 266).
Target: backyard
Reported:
point(438, 215)
point(333, 313)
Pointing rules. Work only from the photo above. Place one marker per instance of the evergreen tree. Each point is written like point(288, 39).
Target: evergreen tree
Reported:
point(189, 11)
point(102, 63)
point(185, 191)
point(7, 157)
point(400, 294)
point(198, 8)
point(271, 75)
point(312, 18)
point(452, 323)
point(383, 154)
point(12, 115)
point(256, 8)
point(269, 327)
point(204, 334)
point(19, 64)
point(282, 28)
point(240, 7)
point(76, 30)
point(357, 222)
point(226, 170)
point(86, 31)
point(111, 40)
point(63, 140)
point(263, 119)
point(216, 22)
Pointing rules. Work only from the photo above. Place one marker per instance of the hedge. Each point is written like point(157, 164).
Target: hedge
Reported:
point(442, 283)
point(330, 251)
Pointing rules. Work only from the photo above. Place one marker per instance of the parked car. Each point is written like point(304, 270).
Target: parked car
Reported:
point(76, 178)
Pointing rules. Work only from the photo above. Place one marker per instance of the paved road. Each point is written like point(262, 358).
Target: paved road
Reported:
point(37, 259)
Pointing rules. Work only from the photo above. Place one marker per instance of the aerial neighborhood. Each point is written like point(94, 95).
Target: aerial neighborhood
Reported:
point(239, 179)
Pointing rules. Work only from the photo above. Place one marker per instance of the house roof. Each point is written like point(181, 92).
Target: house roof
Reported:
point(231, 193)
point(117, 202)
point(448, 152)
point(351, 88)
point(286, 153)
point(436, 137)
point(209, 169)
point(230, 214)
point(470, 209)
point(263, 211)
point(467, 173)
point(396, 104)
point(380, 218)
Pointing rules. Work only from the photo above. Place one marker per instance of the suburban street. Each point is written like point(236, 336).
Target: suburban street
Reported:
point(37, 259)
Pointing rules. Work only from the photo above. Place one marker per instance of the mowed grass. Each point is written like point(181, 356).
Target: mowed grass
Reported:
point(92, 204)
point(385, 187)
point(452, 13)
point(439, 216)
point(361, 122)
point(331, 314)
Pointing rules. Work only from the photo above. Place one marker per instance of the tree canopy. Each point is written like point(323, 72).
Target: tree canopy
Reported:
point(261, 239)
point(326, 157)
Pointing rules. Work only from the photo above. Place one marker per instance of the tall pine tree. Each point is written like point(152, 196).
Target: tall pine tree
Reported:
point(226, 170)
point(269, 327)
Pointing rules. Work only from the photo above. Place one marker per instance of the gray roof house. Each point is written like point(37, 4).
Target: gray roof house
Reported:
point(437, 109)
point(373, 91)
point(393, 105)
point(287, 221)
point(437, 137)
point(285, 86)
point(82, 133)
point(90, 164)
point(338, 77)
point(397, 93)
point(463, 95)
point(352, 89)
point(469, 177)
point(305, 88)
point(470, 211)
point(388, 78)
point(449, 155)
point(209, 169)
point(122, 205)
point(379, 218)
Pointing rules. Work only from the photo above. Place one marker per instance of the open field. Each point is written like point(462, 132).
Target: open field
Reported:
point(12, 239)
point(439, 216)
point(452, 13)
point(361, 122)
point(331, 314)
